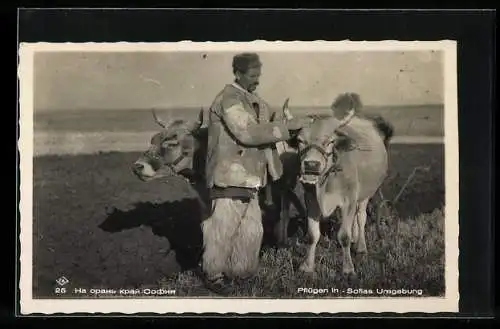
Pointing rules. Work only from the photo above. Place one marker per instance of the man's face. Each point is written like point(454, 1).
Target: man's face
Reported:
point(250, 79)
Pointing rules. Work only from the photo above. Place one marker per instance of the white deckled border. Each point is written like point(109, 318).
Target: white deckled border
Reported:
point(234, 46)
point(202, 305)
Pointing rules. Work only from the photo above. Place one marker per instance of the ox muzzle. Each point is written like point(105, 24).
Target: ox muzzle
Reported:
point(150, 166)
point(313, 171)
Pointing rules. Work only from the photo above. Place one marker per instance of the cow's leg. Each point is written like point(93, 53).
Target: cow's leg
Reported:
point(268, 194)
point(300, 207)
point(361, 215)
point(348, 211)
point(355, 229)
point(313, 233)
point(295, 200)
point(281, 228)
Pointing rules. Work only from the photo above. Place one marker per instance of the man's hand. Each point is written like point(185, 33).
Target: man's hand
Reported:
point(297, 123)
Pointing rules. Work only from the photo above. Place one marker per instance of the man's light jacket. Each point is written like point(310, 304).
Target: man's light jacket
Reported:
point(241, 140)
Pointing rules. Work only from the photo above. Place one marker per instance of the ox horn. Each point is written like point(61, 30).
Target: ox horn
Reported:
point(286, 111)
point(197, 124)
point(158, 120)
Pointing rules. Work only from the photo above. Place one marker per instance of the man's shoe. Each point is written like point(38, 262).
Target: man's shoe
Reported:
point(220, 285)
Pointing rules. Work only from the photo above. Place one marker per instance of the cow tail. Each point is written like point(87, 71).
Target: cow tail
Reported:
point(385, 128)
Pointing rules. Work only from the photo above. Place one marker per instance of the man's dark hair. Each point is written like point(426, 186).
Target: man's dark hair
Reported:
point(245, 61)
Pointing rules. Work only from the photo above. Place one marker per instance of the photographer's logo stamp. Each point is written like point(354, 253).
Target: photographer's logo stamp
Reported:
point(62, 281)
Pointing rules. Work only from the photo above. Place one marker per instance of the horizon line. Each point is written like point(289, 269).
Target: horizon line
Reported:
point(206, 107)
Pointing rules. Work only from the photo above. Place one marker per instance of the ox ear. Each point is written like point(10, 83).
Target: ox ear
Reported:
point(344, 144)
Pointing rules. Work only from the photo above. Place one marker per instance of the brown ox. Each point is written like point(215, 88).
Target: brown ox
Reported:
point(343, 164)
point(180, 148)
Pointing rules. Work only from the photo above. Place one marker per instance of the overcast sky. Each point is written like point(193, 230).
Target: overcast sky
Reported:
point(91, 80)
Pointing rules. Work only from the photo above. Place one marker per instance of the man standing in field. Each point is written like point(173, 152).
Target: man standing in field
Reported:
point(240, 157)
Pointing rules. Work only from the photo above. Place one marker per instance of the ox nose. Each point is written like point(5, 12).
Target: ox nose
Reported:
point(312, 167)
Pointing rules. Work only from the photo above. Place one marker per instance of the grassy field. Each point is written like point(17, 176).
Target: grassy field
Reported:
point(424, 120)
point(100, 227)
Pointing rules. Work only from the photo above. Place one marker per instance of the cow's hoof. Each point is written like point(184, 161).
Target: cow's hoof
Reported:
point(360, 253)
point(352, 278)
point(221, 286)
point(360, 248)
point(348, 271)
point(306, 268)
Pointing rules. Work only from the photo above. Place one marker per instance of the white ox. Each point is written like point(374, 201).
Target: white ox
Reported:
point(343, 164)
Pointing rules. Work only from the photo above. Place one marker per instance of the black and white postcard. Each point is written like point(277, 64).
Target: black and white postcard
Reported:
point(239, 177)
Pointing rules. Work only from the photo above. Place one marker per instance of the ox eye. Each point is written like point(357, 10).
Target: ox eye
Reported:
point(328, 142)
